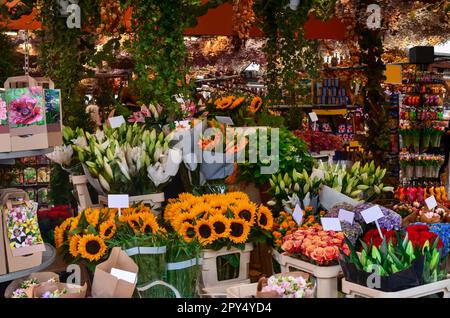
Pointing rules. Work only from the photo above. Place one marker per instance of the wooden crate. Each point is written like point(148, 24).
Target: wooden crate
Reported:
point(352, 290)
point(209, 265)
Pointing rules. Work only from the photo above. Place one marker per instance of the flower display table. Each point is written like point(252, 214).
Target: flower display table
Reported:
point(352, 290)
point(209, 266)
point(242, 291)
point(221, 291)
point(327, 276)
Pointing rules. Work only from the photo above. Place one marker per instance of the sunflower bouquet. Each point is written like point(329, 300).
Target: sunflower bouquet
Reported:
point(84, 238)
point(231, 103)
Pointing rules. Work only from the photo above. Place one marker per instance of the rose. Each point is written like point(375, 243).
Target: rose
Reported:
point(331, 252)
point(318, 254)
point(287, 246)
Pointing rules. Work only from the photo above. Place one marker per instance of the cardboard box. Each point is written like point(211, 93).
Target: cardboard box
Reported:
point(106, 285)
point(5, 137)
point(3, 268)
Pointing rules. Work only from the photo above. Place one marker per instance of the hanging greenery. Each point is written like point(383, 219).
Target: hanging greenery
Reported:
point(287, 50)
point(10, 61)
point(159, 51)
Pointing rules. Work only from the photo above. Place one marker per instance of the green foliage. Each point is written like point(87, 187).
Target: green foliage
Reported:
point(61, 188)
point(159, 51)
point(10, 61)
point(293, 154)
point(287, 51)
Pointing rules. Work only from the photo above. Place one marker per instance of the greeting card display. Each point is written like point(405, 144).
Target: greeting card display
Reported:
point(27, 118)
point(5, 142)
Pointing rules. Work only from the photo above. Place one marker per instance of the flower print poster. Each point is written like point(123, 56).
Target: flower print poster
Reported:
point(26, 107)
point(23, 229)
point(52, 105)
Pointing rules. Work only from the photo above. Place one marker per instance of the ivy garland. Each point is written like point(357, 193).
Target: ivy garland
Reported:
point(159, 51)
point(287, 51)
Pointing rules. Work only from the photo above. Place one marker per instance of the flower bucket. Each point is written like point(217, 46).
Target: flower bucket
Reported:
point(184, 275)
point(429, 172)
point(416, 142)
point(418, 171)
point(217, 269)
point(426, 141)
point(409, 172)
point(407, 140)
point(151, 261)
point(436, 140)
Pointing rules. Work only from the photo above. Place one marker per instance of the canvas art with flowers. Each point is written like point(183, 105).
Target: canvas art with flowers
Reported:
point(52, 105)
point(26, 106)
point(23, 227)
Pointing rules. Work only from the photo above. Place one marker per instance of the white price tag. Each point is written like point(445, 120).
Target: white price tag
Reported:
point(331, 224)
point(346, 216)
point(431, 202)
point(183, 124)
point(116, 122)
point(298, 215)
point(313, 117)
point(372, 214)
point(124, 275)
point(225, 120)
point(118, 201)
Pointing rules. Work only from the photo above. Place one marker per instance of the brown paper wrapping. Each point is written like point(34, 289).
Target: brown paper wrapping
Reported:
point(73, 291)
point(42, 277)
point(107, 286)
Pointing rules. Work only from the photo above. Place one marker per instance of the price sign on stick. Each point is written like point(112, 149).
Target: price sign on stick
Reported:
point(373, 214)
point(298, 215)
point(346, 216)
point(314, 119)
point(431, 203)
point(331, 224)
point(118, 201)
point(116, 122)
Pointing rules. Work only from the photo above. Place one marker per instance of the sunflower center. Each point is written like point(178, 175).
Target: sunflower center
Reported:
point(108, 231)
point(219, 227)
point(237, 229)
point(148, 229)
point(205, 231)
point(190, 233)
point(92, 247)
point(246, 215)
point(263, 220)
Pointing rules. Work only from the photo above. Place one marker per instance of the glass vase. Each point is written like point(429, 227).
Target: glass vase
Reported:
point(425, 141)
point(416, 142)
point(436, 141)
point(407, 140)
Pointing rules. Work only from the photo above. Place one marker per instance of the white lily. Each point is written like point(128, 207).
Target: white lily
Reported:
point(80, 142)
point(61, 155)
point(100, 135)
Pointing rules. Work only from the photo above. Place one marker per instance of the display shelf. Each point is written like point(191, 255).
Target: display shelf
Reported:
point(5, 156)
point(47, 259)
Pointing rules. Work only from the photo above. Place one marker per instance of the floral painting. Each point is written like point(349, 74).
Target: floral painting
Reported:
point(26, 106)
point(52, 105)
point(23, 227)
point(3, 110)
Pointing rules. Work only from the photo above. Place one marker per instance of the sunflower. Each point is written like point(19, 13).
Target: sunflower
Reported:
point(264, 218)
point(239, 231)
point(187, 231)
point(205, 232)
point(73, 245)
point(245, 210)
point(133, 222)
point(92, 216)
point(186, 197)
point(74, 223)
point(92, 247)
point(221, 225)
point(256, 104)
point(59, 236)
point(237, 196)
point(107, 229)
point(237, 103)
point(182, 218)
point(149, 225)
point(202, 211)
point(224, 102)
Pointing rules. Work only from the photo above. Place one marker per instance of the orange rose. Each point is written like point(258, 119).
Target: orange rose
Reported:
point(284, 225)
point(292, 223)
point(331, 253)
point(287, 246)
point(276, 234)
point(318, 254)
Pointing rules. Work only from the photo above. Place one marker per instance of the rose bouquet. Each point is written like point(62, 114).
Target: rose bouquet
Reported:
point(130, 159)
point(315, 245)
point(289, 287)
point(318, 141)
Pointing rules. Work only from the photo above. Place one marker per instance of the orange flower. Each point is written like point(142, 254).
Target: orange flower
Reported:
point(292, 223)
point(224, 102)
point(277, 234)
point(256, 104)
point(284, 225)
point(237, 103)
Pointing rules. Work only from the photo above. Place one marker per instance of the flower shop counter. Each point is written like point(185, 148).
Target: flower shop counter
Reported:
point(327, 276)
point(352, 290)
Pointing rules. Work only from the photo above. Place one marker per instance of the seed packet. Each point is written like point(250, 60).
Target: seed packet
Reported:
point(16, 176)
point(43, 195)
point(31, 194)
point(29, 176)
point(43, 175)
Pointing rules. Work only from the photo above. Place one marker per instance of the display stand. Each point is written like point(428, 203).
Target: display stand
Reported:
point(352, 290)
point(327, 276)
point(47, 260)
